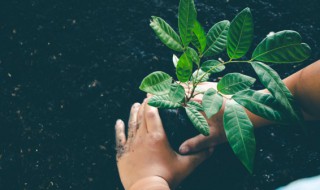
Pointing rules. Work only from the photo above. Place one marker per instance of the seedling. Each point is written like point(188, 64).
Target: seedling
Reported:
point(193, 45)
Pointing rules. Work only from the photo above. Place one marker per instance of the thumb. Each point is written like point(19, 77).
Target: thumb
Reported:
point(193, 160)
point(196, 144)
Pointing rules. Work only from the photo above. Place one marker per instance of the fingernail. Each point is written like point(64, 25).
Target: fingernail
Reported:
point(184, 149)
point(119, 121)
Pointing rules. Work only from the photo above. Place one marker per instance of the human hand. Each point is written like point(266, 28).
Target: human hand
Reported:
point(145, 158)
point(217, 134)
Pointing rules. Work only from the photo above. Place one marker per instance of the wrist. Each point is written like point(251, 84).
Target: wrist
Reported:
point(150, 183)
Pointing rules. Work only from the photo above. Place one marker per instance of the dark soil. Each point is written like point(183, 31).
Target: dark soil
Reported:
point(69, 69)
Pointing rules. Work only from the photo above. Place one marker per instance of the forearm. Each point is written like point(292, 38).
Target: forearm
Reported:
point(151, 183)
point(305, 88)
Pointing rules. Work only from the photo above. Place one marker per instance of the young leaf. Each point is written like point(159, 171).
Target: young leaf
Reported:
point(199, 37)
point(175, 60)
point(176, 93)
point(282, 47)
point(215, 65)
point(195, 105)
point(263, 105)
point(234, 82)
point(198, 74)
point(163, 101)
point(211, 102)
point(192, 54)
point(184, 68)
point(239, 132)
point(217, 38)
point(187, 17)
point(198, 121)
point(240, 34)
point(157, 83)
point(166, 34)
point(272, 81)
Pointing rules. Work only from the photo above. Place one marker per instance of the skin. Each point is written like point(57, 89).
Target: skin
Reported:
point(305, 88)
point(145, 159)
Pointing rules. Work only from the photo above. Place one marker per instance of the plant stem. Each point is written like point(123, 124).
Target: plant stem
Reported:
point(195, 84)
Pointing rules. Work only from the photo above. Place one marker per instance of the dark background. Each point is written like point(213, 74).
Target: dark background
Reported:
point(69, 69)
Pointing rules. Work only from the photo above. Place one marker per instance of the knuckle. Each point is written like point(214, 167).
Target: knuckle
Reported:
point(151, 114)
point(156, 137)
point(133, 123)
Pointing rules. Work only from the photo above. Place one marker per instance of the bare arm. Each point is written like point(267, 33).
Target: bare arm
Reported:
point(305, 87)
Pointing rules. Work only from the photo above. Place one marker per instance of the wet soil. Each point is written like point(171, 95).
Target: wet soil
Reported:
point(69, 69)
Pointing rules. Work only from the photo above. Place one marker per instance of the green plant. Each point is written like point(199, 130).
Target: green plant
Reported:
point(236, 37)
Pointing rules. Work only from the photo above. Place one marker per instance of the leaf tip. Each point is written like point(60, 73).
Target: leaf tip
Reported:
point(247, 9)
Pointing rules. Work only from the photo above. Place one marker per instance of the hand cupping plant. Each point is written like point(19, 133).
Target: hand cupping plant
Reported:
point(236, 37)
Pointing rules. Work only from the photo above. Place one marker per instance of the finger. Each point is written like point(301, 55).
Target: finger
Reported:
point(196, 144)
point(120, 137)
point(149, 95)
point(190, 162)
point(141, 120)
point(133, 120)
point(153, 120)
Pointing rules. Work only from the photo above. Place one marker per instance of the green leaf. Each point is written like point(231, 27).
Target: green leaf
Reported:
point(240, 34)
point(211, 102)
point(176, 93)
point(166, 34)
point(198, 74)
point(213, 66)
point(192, 54)
point(217, 38)
point(187, 18)
point(282, 47)
point(234, 82)
point(195, 42)
point(272, 81)
point(157, 83)
point(195, 105)
point(163, 101)
point(175, 60)
point(263, 105)
point(184, 68)
point(199, 37)
point(198, 121)
point(239, 132)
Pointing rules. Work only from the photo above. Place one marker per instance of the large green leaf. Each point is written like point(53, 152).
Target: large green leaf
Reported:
point(197, 75)
point(166, 34)
point(239, 132)
point(187, 17)
point(198, 121)
point(234, 82)
point(195, 105)
point(199, 37)
point(272, 81)
point(177, 93)
point(157, 83)
point(217, 38)
point(163, 101)
point(184, 68)
point(211, 102)
point(240, 34)
point(192, 54)
point(282, 47)
point(261, 104)
point(213, 66)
